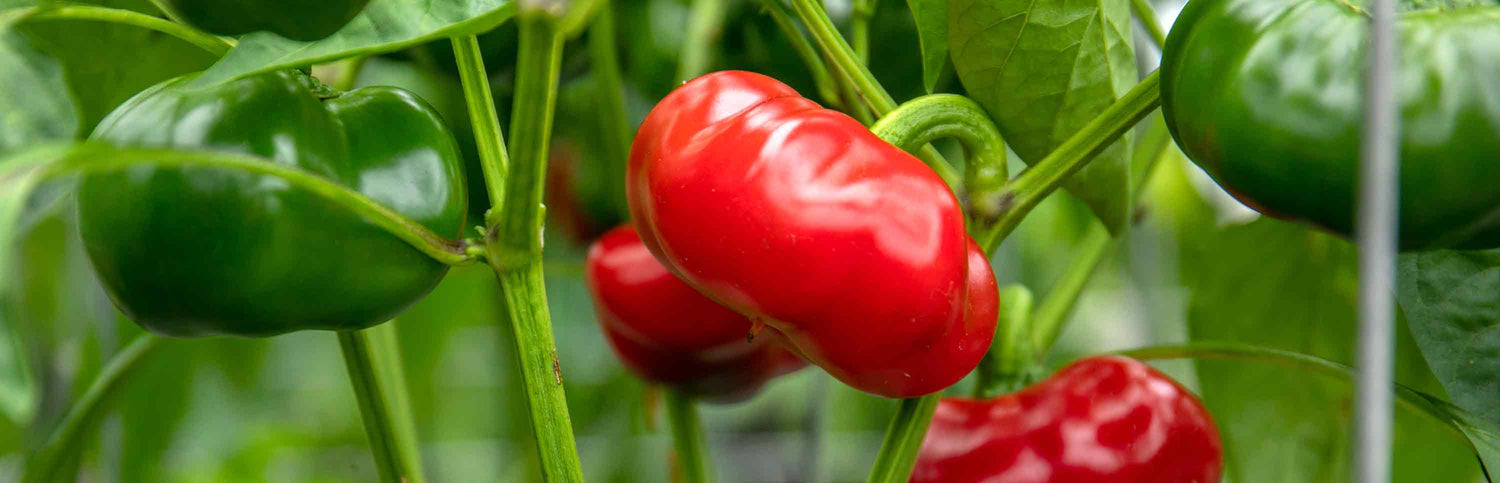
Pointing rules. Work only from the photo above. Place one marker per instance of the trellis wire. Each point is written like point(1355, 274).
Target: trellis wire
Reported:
point(1378, 199)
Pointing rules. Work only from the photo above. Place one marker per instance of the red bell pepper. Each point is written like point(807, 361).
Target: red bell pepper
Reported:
point(800, 218)
point(1107, 418)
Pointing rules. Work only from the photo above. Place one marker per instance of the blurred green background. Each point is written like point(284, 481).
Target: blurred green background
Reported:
point(1195, 266)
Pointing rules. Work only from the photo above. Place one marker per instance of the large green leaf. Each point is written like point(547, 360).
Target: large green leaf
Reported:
point(1043, 69)
point(36, 106)
point(1281, 285)
point(932, 32)
point(1452, 300)
point(106, 63)
point(384, 26)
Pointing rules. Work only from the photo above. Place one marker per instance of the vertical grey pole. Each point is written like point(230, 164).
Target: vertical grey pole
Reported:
point(1378, 199)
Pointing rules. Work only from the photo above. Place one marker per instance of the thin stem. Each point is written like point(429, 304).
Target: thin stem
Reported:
point(810, 57)
point(349, 72)
point(898, 453)
point(392, 442)
point(1434, 407)
point(853, 104)
point(859, 28)
point(214, 45)
point(1147, 16)
point(487, 136)
point(687, 438)
point(514, 233)
point(705, 24)
point(1048, 321)
point(842, 56)
point(90, 159)
point(1031, 186)
point(48, 463)
point(844, 64)
point(614, 123)
point(925, 119)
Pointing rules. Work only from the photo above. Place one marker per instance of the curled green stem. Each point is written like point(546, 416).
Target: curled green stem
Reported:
point(919, 121)
point(217, 46)
point(1022, 194)
point(374, 367)
point(47, 464)
point(89, 159)
point(903, 439)
point(687, 438)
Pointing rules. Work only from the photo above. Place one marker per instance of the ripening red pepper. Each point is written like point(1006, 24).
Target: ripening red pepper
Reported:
point(1106, 418)
point(670, 334)
point(800, 218)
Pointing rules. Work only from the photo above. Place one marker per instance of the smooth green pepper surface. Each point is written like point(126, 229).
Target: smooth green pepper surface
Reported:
point(1268, 97)
point(293, 19)
point(202, 251)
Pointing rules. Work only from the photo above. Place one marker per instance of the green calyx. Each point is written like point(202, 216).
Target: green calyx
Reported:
point(193, 251)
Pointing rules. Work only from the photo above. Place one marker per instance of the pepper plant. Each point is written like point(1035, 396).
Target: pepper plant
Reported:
point(842, 240)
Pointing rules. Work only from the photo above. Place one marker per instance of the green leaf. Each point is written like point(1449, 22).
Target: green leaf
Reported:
point(932, 32)
point(104, 63)
point(43, 112)
point(1043, 69)
point(1452, 300)
point(1283, 286)
point(384, 26)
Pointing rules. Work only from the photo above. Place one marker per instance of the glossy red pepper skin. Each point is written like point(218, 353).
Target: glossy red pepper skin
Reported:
point(668, 333)
point(799, 217)
point(1107, 418)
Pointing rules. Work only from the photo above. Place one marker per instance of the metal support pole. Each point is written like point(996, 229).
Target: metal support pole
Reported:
point(1378, 201)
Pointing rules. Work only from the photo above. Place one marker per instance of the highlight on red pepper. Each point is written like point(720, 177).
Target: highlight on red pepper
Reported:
point(1104, 418)
point(667, 333)
point(800, 218)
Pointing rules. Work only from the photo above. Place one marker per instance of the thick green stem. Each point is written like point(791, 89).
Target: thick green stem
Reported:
point(214, 45)
point(88, 159)
point(1147, 16)
point(514, 244)
point(810, 57)
point(687, 438)
point(374, 371)
point(705, 24)
point(487, 137)
point(48, 464)
point(525, 303)
point(1017, 199)
point(898, 453)
point(613, 121)
point(919, 121)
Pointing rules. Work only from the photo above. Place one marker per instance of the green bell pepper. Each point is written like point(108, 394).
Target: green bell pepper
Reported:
point(1267, 96)
point(194, 251)
point(293, 19)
